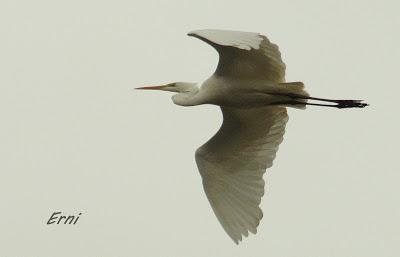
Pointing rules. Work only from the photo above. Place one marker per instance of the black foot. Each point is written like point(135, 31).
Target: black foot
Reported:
point(350, 104)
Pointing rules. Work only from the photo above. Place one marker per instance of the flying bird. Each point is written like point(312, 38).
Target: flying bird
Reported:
point(249, 86)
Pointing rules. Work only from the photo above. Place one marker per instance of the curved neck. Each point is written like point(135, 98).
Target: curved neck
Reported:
point(191, 98)
point(189, 94)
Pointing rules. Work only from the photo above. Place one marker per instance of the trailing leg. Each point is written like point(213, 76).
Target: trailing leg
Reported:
point(343, 104)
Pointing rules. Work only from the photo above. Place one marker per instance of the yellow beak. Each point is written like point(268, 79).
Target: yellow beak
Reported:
point(162, 87)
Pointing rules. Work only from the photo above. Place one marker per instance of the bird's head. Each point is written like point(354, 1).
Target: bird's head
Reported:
point(186, 92)
point(177, 87)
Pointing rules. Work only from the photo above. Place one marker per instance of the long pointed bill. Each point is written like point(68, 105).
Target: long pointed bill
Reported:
point(162, 87)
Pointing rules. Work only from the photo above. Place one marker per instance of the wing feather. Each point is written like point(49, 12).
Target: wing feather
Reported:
point(232, 164)
point(244, 55)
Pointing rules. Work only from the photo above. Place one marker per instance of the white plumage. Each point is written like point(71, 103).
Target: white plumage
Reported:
point(249, 86)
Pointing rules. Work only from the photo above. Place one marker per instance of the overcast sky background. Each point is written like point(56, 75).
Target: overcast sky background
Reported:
point(76, 137)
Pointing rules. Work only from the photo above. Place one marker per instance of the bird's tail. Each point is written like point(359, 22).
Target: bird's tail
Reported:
point(295, 88)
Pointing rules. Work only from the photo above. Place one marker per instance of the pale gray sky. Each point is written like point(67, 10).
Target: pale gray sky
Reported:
point(77, 138)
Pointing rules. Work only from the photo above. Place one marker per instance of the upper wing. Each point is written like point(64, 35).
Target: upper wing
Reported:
point(244, 55)
point(233, 162)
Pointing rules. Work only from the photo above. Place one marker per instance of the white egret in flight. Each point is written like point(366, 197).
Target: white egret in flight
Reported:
point(249, 86)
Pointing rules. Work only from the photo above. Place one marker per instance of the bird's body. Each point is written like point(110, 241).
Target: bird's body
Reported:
point(249, 86)
point(242, 93)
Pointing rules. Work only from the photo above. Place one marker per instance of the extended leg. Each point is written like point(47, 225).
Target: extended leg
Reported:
point(339, 103)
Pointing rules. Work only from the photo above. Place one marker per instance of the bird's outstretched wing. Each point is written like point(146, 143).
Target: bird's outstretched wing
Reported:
point(244, 55)
point(232, 164)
